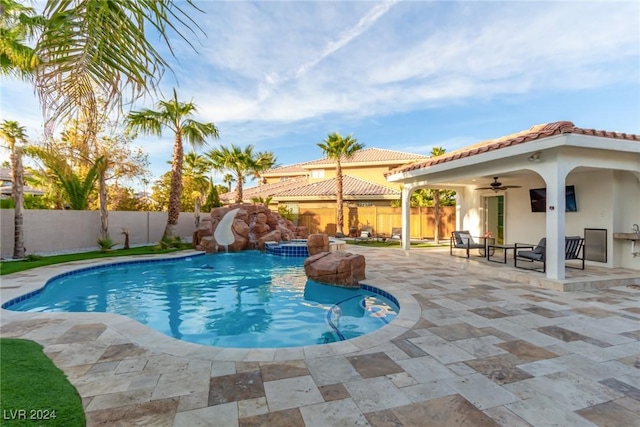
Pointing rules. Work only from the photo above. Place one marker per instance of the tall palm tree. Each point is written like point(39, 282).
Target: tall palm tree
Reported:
point(13, 133)
point(241, 163)
point(176, 116)
point(339, 148)
point(435, 152)
point(228, 179)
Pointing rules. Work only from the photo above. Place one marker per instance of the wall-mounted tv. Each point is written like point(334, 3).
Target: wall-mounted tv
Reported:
point(538, 197)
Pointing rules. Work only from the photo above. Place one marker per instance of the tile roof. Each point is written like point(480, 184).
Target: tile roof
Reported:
point(264, 191)
point(372, 155)
point(367, 155)
point(5, 174)
point(296, 169)
point(352, 187)
point(534, 133)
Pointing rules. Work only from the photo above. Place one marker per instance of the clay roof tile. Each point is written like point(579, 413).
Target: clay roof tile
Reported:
point(531, 134)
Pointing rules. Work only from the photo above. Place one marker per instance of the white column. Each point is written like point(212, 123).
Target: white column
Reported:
point(554, 176)
point(406, 217)
point(459, 200)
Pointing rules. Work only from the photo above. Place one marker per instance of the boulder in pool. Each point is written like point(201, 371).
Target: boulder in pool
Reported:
point(317, 243)
point(336, 268)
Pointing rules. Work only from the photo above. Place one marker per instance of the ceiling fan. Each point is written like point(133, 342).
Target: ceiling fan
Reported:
point(497, 186)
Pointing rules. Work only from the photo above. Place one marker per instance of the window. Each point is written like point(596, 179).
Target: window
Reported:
point(318, 173)
point(284, 178)
point(364, 204)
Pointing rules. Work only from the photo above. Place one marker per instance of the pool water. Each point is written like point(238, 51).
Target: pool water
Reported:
point(246, 300)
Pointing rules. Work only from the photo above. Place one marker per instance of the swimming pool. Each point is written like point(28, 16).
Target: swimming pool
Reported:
point(245, 300)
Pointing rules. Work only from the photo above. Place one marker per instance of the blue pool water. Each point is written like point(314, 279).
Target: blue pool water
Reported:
point(246, 299)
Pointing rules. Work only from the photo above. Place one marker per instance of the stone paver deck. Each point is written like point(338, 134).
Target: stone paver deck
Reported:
point(466, 350)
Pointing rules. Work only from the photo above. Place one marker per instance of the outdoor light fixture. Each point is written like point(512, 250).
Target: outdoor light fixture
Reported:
point(535, 157)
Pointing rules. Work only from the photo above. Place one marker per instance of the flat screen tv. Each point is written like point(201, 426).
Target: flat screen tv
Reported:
point(538, 197)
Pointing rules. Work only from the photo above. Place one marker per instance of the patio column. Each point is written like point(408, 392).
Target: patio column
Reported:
point(555, 177)
point(406, 217)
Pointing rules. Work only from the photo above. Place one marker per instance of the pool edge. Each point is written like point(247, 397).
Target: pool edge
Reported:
point(15, 285)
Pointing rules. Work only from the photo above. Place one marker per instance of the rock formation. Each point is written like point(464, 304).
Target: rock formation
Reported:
point(336, 268)
point(252, 226)
point(317, 243)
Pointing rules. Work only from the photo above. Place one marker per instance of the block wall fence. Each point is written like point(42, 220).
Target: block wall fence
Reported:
point(57, 230)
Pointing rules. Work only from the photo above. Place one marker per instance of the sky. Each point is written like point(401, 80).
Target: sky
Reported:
point(400, 75)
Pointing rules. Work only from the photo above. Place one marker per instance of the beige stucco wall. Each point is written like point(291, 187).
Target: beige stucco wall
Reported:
point(367, 173)
point(57, 230)
point(606, 199)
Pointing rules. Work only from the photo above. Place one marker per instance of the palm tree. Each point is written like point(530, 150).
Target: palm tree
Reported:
point(195, 167)
point(265, 160)
point(228, 179)
point(19, 25)
point(13, 133)
point(174, 115)
point(241, 163)
point(337, 148)
point(435, 152)
point(89, 47)
point(76, 186)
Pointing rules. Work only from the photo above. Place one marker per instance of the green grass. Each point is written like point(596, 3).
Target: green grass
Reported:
point(34, 390)
point(26, 264)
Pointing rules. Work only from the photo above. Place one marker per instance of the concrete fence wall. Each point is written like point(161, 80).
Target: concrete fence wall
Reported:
point(57, 230)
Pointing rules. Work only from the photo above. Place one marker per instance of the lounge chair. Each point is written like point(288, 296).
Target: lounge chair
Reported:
point(365, 234)
point(464, 240)
point(396, 233)
point(573, 250)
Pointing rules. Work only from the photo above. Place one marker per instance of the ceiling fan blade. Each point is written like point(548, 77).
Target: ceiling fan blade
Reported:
point(497, 186)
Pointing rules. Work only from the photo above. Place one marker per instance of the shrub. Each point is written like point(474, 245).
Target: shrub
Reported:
point(286, 213)
point(106, 244)
point(169, 242)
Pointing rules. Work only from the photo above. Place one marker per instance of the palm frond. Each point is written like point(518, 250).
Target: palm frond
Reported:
point(90, 44)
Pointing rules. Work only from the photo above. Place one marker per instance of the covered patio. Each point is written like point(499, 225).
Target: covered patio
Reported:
point(585, 182)
point(591, 278)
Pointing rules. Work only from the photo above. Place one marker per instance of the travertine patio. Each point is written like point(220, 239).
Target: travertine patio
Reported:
point(467, 350)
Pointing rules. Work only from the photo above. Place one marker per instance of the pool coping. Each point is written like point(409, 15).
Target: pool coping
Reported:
point(14, 285)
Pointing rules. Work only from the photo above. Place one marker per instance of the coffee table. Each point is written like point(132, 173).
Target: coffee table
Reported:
point(505, 249)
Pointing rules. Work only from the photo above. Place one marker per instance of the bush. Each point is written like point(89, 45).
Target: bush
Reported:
point(169, 242)
point(286, 213)
point(106, 244)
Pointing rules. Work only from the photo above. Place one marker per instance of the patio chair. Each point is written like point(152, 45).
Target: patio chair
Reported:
point(573, 250)
point(464, 240)
point(396, 233)
point(365, 234)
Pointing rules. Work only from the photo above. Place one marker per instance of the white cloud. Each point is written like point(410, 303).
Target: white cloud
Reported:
point(276, 65)
point(269, 69)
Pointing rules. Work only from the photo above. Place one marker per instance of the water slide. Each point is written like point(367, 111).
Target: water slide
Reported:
point(223, 233)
